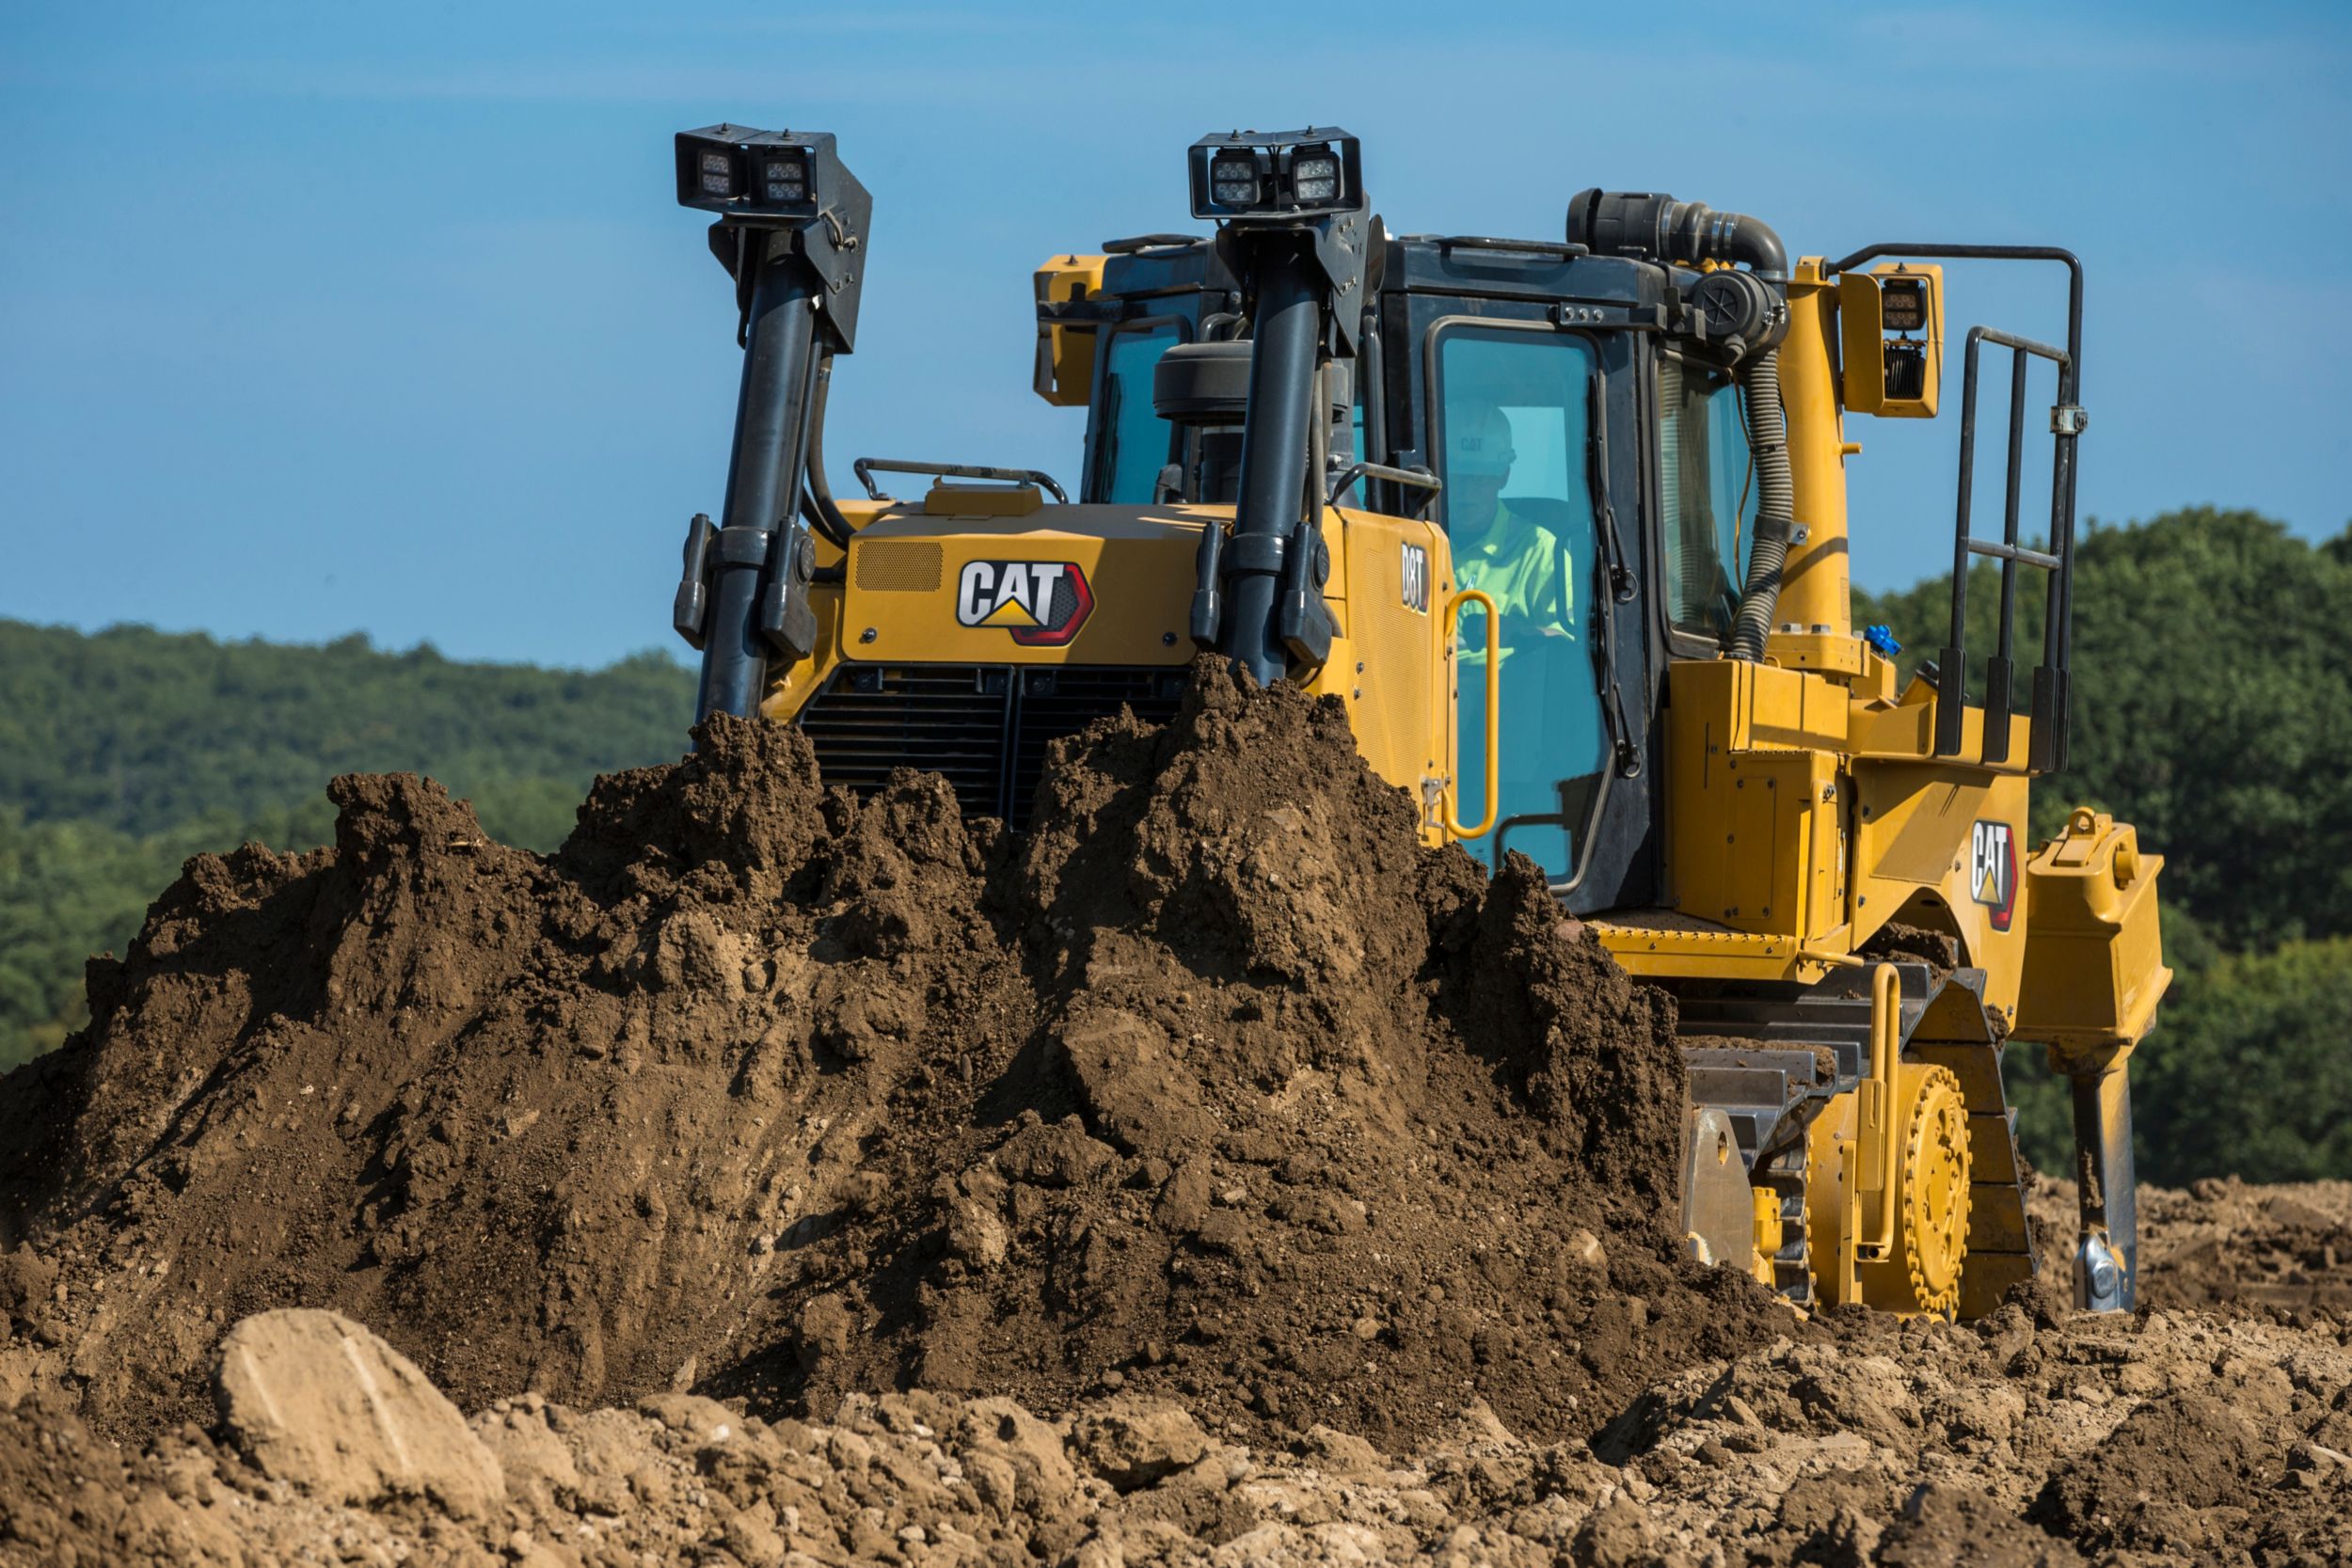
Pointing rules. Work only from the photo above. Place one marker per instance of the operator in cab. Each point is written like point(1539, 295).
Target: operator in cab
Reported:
point(1509, 558)
point(1550, 732)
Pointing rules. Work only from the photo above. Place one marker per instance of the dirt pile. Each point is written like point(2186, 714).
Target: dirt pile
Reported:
point(1316, 1126)
point(531, 1116)
point(2233, 1247)
point(1218, 1086)
point(2225, 1245)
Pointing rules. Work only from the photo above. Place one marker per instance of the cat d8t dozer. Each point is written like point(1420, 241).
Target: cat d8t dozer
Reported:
point(1563, 523)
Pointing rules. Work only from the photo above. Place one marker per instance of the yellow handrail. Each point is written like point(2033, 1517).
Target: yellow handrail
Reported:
point(1494, 718)
point(1885, 1054)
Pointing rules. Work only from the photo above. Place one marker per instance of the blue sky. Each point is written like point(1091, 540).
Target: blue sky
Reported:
point(317, 318)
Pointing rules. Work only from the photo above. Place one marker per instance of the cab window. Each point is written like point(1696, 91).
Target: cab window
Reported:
point(1512, 421)
point(1708, 499)
point(1132, 444)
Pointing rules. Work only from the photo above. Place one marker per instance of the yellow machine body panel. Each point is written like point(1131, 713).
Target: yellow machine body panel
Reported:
point(976, 588)
point(2095, 969)
point(992, 575)
point(1391, 663)
point(1753, 812)
point(1940, 847)
point(1064, 371)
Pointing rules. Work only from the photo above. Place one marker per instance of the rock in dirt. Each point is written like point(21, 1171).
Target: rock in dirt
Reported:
point(317, 1401)
point(1133, 1443)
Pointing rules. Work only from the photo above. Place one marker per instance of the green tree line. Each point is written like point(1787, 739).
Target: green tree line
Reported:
point(2213, 710)
point(124, 753)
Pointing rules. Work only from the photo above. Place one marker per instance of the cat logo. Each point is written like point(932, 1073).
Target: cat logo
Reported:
point(1416, 578)
point(1041, 603)
point(1993, 870)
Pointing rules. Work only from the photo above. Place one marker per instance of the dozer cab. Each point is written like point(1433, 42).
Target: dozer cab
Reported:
point(1563, 523)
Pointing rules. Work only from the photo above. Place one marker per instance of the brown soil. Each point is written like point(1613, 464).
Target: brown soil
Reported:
point(1214, 1174)
point(2024, 1439)
point(1218, 1084)
point(2227, 1246)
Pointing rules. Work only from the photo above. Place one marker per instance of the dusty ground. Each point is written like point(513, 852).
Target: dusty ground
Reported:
point(1213, 1174)
point(2046, 1438)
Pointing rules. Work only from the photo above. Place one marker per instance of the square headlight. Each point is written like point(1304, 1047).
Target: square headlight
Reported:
point(714, 166)
point(1903, 304)
point(782, 176)
point(1233, 180)
point(717, 172)
point(1314, 176)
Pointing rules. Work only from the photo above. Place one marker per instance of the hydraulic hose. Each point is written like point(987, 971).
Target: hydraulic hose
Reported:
point(1775, 502)
point(816, 503)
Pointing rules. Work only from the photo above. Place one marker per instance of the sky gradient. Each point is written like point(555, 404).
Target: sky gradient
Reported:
point(315, 320)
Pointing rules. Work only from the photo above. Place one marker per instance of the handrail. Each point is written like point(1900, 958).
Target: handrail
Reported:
point(1135, 243)
point(1554, 248)
point(1419, 477)
point(2047, 744)
point(2053, 681)
point(866, 468)
point(1453, 822)
point(1886, 1031)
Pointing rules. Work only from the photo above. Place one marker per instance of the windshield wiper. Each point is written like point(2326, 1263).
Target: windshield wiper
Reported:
point(1621, 583)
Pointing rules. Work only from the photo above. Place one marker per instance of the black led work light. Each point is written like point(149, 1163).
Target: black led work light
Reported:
point(1280, 175)
point(739, 171)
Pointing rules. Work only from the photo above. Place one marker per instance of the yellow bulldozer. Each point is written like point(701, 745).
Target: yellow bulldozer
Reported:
point(1564, 525)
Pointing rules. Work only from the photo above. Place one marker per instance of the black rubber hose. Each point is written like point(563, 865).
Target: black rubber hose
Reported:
point(816, 503)
point(1776, 504)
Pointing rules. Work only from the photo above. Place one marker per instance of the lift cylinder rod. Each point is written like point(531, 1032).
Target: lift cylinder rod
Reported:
point(763, 483)
point(1286, 344)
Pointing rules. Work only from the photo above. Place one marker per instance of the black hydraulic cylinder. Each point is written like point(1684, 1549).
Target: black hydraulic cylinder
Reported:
point(1284, 350)
point(763, 484)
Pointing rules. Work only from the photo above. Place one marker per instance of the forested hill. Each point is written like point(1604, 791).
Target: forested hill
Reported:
point(124, 753)
point(139, 731)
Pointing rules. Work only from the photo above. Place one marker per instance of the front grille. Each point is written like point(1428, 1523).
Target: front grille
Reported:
point(985, 726)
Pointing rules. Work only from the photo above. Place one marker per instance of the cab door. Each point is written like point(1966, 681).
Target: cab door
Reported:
point(1512, 431)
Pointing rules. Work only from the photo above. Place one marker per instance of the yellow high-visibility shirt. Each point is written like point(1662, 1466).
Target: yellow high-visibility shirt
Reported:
point(1517, 564)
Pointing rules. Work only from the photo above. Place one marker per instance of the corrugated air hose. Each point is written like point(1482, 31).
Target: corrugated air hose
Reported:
point(1775, 502)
